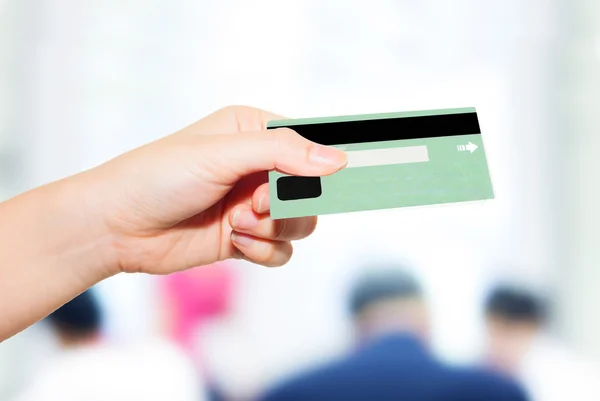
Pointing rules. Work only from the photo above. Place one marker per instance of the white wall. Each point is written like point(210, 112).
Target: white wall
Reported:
point(580, 189)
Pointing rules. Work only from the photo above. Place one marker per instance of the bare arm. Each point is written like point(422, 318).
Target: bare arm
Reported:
point(52, 247)
point(189, 199)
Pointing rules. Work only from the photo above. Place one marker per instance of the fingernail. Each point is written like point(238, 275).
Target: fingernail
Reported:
point(241, 239)
point(260, 208)
point(244, 220)
point(326, 155)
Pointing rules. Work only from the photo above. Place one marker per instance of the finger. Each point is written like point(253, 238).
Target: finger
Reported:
point(261, 251)
point(244, 220)
point(238, 155)
point(244, 189)
point(261, 201)
point(233, 119)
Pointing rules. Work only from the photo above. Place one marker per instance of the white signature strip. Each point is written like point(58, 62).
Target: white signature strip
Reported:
point(382, 157)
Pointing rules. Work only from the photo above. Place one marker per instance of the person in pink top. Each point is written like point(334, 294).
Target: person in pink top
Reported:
point(195, 297)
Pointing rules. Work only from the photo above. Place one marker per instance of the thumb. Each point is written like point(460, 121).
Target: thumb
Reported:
point(281, 149)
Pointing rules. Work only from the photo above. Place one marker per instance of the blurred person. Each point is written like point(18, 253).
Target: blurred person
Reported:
point(391, 361)
point(190, 199)
point(78, 324)
point(193, 299)
point(519, 346)
point(89, 369)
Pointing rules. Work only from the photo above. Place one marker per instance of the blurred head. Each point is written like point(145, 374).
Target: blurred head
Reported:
point(387, 301)
point(513, 318)
point(77, 322)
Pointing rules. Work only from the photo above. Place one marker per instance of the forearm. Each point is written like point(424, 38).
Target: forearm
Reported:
point(53, 246)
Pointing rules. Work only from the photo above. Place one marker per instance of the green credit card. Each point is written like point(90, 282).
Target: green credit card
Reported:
point(394, 160)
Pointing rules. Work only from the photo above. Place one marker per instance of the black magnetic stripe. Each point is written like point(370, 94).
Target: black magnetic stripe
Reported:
point(388, 129)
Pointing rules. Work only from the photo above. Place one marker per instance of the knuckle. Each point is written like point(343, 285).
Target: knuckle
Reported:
point(246, 117)
point(275, 142)
point(236, 109)
point(274, 136)
point(285, 143)
point(283, 135)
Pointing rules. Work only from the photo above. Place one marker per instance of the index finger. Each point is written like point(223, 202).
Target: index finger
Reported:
point(233, 119)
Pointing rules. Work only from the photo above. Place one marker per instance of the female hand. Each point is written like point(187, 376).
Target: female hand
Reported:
point(190, 199)
point(200, 195)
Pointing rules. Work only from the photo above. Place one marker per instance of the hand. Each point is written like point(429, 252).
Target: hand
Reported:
point(200, 195)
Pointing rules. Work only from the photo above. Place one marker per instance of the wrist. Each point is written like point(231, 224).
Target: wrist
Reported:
point(52, 247)
point(72, 219)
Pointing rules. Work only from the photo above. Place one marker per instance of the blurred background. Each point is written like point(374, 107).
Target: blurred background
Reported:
point(83, 81)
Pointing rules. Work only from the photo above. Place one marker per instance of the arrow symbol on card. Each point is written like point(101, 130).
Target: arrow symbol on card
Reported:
point(471, 147)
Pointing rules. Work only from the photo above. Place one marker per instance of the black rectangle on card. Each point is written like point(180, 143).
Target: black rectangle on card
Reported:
point(295, 188)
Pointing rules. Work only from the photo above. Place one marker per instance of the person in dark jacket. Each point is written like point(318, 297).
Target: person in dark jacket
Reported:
point(392, 360)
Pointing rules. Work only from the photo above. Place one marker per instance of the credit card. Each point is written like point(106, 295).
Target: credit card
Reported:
point(394, 160)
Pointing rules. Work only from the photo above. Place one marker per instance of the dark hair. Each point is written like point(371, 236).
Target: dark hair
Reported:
point(382, 284)
point(515, 305)
point(78, 317)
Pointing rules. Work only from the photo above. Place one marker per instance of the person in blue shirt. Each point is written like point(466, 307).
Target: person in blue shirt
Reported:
point(392, 360)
